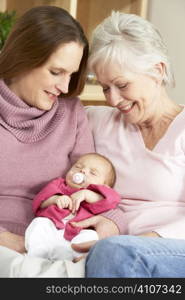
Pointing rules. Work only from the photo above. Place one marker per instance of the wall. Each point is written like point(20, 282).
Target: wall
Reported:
point(169, 17)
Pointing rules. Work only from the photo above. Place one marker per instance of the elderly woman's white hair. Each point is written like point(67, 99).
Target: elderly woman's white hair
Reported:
point(133, 42)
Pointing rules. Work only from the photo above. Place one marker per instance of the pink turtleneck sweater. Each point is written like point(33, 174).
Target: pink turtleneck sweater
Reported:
point(36, 147)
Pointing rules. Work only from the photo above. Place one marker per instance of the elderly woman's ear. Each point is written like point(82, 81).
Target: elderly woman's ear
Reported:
point(160, 70)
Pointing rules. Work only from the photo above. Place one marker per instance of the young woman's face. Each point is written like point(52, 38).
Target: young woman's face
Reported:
point(41, 86)
point(135, 95)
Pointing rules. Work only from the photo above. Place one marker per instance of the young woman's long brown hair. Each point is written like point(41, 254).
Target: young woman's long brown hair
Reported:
point(35, 36)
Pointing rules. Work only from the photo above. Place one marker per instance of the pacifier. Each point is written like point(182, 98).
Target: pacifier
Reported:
point(78, 178)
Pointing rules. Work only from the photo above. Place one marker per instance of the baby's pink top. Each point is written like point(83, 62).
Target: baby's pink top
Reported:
point(151, 183)
point(110, 199)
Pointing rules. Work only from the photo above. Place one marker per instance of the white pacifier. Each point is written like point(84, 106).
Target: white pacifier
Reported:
point(78, 178)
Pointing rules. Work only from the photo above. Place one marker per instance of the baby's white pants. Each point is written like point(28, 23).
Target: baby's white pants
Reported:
point(43, 239)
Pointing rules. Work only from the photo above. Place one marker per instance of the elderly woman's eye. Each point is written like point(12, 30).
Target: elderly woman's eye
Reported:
point(122, 86)
point(105, 89)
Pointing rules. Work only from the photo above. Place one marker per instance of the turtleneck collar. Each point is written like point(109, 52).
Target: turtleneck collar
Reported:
point(28, 124)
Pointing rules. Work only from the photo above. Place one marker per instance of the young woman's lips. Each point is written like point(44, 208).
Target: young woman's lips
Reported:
point(52, 96)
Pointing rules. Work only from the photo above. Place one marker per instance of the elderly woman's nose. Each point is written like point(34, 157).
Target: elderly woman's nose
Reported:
point(114, 97)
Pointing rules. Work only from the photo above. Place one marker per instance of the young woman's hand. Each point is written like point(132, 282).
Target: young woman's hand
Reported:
point(12, 241)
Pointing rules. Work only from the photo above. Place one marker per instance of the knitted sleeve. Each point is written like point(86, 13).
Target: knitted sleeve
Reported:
point(84, 142)
point(49, 190)
point(110, 199)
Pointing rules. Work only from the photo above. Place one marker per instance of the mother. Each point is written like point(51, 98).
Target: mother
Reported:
point(43, 126)
point(144, 136)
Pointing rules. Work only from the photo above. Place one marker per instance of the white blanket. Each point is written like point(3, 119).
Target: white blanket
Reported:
point(16, 265)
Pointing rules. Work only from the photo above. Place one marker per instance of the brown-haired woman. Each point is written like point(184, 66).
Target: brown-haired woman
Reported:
point(43, 126)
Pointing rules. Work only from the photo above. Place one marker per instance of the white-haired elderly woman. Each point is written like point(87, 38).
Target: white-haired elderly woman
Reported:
point(143, 134)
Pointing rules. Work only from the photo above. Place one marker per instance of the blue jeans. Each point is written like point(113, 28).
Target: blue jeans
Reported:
point(127, 256)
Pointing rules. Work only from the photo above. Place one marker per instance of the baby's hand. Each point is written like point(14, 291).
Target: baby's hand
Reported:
point(64, 202)
point(77, 198)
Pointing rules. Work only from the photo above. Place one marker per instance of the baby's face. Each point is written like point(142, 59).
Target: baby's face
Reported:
point(94, 169)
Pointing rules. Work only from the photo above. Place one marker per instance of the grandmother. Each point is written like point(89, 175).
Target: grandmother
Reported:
point(143, 133)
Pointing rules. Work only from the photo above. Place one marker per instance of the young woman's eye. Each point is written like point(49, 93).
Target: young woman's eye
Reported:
point(54, 73)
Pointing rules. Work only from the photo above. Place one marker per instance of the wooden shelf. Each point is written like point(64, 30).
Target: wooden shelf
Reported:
point(92, 92)
point(89, 13)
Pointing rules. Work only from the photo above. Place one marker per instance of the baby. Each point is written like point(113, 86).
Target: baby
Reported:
point(86, 191)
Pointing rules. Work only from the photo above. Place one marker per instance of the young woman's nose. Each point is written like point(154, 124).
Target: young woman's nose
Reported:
point(63, 84)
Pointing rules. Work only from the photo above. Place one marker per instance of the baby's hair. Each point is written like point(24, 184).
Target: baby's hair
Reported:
point(112, 175)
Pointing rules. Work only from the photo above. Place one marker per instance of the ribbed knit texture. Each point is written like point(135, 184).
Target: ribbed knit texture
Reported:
point(36, 146)
point(27, 123)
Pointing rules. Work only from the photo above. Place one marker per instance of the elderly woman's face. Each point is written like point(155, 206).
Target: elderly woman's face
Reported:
point(41, 87)
point(135, 95)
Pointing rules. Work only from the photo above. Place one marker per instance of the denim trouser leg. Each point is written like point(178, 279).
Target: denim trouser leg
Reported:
point(136, 257)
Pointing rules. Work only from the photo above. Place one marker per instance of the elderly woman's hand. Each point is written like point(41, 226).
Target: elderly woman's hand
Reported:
point(150, 234)
point(103, 226)
point(12, 241)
